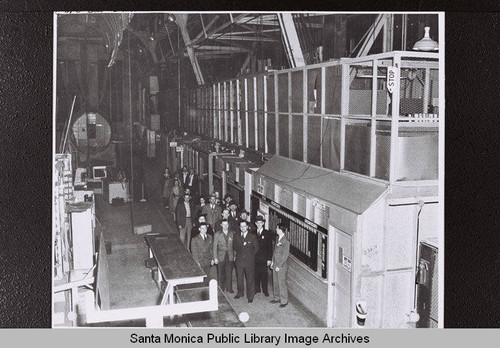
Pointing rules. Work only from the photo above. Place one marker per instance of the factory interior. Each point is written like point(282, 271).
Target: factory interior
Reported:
point(324, 125)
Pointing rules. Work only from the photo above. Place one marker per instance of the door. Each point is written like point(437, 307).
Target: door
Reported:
point(339, 278)
point(254, 206)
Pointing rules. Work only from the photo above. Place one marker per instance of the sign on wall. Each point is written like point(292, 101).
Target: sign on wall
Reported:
point(391, 78)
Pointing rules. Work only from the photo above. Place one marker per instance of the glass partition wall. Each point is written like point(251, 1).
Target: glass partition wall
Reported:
point(375, 116)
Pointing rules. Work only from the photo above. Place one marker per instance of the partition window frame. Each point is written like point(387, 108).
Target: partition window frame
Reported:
point(224, 108)
point(225, 111)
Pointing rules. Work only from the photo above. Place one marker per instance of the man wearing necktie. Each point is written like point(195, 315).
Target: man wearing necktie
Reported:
point(183, 214)
point(280, 267)
point(246, 246)
point(223, 255)
point(233, 218)
point(201, 249)
point(184, 176)
point(264, 256)
point(212, 211)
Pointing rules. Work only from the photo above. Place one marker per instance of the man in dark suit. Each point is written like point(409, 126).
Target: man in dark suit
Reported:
point(196, 227)
point(223, 255)
point(201, 249)
point(264, 255)
point(183, 215)
point(246, 246)
point(280, 268)
point(227, 199)
point(233, 218)
point(245, 216)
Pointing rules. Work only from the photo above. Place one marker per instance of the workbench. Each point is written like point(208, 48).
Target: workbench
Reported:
point(226, 316)
point(176, 265)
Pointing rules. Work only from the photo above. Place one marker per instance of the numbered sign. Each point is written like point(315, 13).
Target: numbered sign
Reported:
point(391, 78)
point(346, 263)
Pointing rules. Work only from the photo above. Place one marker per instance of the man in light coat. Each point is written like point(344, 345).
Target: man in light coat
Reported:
point(223, 255)
point(212, 211)
point(280, 268)
point(183, 215)
point(201, 249)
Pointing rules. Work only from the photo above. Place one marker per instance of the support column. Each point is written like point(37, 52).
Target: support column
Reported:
point(388, 33)
point(291, 40)
point(92, 77)
point(334, 37)
point(181, 19)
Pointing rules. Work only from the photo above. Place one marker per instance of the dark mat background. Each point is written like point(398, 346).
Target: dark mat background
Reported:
point(472, 253)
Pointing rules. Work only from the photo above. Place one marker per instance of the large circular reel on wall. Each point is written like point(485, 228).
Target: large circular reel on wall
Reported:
point(91, 132)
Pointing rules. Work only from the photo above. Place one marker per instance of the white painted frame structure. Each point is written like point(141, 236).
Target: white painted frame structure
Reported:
point(398, 59)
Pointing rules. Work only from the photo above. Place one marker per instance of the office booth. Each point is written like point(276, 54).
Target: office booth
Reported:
point(233, 177)
point(354, 242)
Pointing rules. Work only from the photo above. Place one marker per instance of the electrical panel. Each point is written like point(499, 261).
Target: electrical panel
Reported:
point(427, 285)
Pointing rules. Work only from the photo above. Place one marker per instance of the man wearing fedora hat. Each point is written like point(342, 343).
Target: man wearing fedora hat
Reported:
point(263, 256)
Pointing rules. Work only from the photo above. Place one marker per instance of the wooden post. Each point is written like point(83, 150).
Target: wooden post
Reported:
point(344, 110)
point(373, 129)
point(305, 112)
point(255, 113)
point(323, 110)
point(266, 149)
point(276, 111)
point(395, 121)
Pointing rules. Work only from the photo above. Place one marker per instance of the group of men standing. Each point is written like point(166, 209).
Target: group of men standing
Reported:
point(223, 237)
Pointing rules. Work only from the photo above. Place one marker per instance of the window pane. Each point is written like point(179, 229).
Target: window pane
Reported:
point(297, 87)
point(333, 85)
point(283, 134)
point(313, 139)
point(243, 127)
point(314, 91)
point(357, 147)
point(383, 149)
point(331, 144)
point(283, 92)
point(297, 137)
point(260, 93)
point(271, 135)
point(251, 129)
point(250, 94)
point(261, 145)
point(417, 157)
point(270, 93)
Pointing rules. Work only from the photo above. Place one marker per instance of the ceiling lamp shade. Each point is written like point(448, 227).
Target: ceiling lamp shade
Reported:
point(426, 43)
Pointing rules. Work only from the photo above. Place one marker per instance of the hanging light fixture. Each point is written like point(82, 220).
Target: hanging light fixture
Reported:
point(426, 43)
point(171, 17)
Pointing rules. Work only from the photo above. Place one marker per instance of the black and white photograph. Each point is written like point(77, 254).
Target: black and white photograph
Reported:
point(248, 169)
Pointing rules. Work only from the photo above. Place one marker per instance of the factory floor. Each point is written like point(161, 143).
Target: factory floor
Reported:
point(131, 283)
